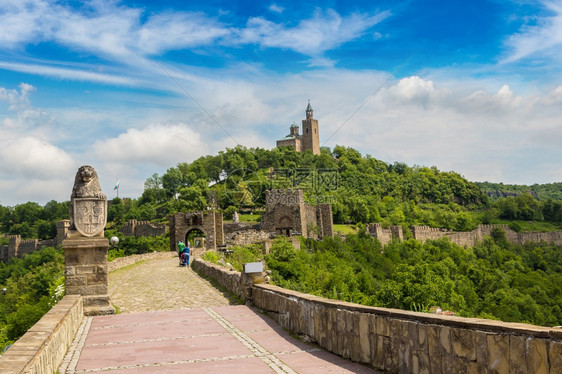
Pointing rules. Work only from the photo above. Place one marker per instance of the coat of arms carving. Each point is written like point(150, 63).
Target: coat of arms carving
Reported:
point(90, 215)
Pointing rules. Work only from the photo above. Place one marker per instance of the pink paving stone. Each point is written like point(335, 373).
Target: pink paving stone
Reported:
point(148, 317)
point(202, 347)
point(173, 329)
point(249, 365)
point(322, 362)
point(249, 323)
point(278, 341)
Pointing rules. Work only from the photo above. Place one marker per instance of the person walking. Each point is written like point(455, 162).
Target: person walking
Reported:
point(181, 246)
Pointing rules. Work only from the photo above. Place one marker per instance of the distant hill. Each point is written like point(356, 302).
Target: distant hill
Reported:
point(540, 192)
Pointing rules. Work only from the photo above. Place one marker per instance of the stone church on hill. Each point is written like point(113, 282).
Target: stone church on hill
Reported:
point(309, 140)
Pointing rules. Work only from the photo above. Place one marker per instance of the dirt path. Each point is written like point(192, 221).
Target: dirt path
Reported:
point(160, 284)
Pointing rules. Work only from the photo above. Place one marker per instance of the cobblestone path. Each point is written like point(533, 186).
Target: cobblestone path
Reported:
point(160, 284)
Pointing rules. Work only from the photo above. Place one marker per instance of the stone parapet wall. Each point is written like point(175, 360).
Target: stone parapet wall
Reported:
point(121, 262)
point(232, 227)
point(400, 341)
point(247, 237)
point(232, 280)
point(143, 228)
point(42, 348)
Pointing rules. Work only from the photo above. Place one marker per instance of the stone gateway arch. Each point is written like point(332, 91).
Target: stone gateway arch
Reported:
point(209, 222)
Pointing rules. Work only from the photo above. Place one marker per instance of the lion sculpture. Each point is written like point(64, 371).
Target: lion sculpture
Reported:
point(86, 185)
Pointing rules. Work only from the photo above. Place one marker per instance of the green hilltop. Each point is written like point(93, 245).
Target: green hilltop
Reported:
point(361, 189)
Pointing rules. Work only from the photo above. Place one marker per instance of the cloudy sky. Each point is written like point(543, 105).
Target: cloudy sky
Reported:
point(134, 87)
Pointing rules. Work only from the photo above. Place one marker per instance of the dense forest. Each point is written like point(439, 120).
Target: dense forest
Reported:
point(30, 286)
point(493, 280)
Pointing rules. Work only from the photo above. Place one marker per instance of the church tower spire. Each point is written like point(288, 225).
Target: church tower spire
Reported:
point(309, 111)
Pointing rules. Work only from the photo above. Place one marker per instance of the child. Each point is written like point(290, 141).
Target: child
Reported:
point(186, 254)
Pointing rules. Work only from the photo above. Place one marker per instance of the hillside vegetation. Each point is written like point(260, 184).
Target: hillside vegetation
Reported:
point(538, 191)
point(360, 188)
point(493, 280)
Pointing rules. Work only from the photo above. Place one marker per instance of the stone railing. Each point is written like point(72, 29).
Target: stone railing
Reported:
point(42, 348)
point(228, 278)
point(409, 342)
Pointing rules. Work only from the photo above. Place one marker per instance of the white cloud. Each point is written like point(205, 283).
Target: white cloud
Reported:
point(33, 158)
point(22, 21)
point(162, 145)
point(324, 31)
point(276, 8)
point(542, 38)
point(170, 31)
point(70, 73)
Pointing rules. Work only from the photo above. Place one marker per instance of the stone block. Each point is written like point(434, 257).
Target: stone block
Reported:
point(422, 337)
point(537, 357)
point(71, 281)
point(411, 329)
point(435, 349)
point(86, 269)
point(420, 363)
point(390, 357)
point(517, 353)
point(96, 301)
point(498, 353)
point(365, 336)
point(463, 343)
point(378, 355)
point(555, 356)
point(445, 338)
point(88, 290)
point(383, 326)
point(481, 341)
point(401, 349)
point(100, 278)
point(332, 336)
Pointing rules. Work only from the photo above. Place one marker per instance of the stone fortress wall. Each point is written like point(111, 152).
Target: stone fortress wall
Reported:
point(143, 228)
point(287, 213)
point(385, 236)
point(18, 247)
point(469, 239)
point(465, 239)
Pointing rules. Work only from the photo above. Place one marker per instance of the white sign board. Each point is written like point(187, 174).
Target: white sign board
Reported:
point(253, 267)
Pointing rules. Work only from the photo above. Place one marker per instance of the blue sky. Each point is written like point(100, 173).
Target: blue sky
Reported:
point(134, 87)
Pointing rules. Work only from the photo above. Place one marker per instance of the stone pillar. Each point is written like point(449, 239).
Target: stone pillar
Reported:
point(86, 273)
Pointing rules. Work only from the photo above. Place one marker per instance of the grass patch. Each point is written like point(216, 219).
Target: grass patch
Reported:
point(540, 226)
point(252, 218)
point(345, 229)
point(117, 309)
point(138, 263)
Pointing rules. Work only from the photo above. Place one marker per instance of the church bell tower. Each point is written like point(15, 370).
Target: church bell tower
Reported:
point(310, 137)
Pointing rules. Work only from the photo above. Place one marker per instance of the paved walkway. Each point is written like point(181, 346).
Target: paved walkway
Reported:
point(181, 324)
